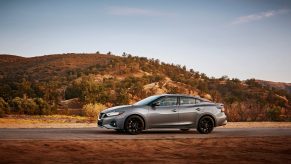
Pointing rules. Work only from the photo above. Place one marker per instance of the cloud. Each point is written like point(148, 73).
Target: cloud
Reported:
point(133, 11)
point(259, 16)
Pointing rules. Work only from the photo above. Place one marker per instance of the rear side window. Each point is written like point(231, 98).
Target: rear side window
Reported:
point(188, 100)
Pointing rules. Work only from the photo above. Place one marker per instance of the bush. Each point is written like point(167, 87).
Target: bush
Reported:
point(29, 106)
point(16, 105)
point(92, 110)
point(4, 107)
point(43, 107)
point(273, 114)
point(23, 106)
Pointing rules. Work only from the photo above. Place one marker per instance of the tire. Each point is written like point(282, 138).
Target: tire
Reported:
point(184, 130)
point(205, 125)
point(134, 125)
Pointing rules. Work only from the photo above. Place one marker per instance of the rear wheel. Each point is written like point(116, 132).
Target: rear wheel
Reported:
point(134, 125)
point(184, 130)
point(205, 125)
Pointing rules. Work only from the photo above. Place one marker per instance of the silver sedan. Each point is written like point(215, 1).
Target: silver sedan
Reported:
point(164, 111)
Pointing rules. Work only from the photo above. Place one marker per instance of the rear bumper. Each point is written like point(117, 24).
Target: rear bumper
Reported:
point(221, 119)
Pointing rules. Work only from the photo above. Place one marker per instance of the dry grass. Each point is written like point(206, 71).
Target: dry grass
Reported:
point(50, 121)
point(257, 125)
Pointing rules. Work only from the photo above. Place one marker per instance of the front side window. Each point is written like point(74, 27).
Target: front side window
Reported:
point(187, 100)
point(167, 101)
point(147, 100)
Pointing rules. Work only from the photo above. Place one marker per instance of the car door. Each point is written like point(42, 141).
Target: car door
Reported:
point(165, 114)
point(188, 111)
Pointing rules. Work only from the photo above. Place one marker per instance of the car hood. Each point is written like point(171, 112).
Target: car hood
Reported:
point(117, 108)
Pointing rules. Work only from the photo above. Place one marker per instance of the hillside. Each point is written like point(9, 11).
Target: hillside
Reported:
point(114, 80)
point(276, 85)
point(6, 59)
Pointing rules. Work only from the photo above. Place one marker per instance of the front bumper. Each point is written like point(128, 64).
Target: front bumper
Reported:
point(113, 122)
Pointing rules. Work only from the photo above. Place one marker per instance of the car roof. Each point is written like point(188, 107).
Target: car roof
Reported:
point(183, 95)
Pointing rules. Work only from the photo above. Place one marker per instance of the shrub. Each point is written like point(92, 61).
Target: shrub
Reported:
point(43, 107)
point(92, 110)
point(273, 114)
point(4, 107)
point(16, 105)
point(29, 106)
point(23, 106)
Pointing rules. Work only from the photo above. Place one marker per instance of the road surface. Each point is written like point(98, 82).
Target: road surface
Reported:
point(99, 133)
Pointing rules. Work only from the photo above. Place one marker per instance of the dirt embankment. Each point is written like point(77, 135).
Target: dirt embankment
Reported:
point(212, 150)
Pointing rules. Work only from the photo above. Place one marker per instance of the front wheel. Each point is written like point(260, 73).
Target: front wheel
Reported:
point(205, 125)
point(134, 125)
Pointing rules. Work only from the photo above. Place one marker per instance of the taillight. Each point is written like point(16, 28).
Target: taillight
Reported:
point(222, 109)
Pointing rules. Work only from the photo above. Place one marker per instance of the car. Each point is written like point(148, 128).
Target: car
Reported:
point(178, 111)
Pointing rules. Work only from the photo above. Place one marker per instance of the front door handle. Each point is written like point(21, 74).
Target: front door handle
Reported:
point(174, 110)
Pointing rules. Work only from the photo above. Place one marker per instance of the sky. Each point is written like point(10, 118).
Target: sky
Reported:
point(238, 38)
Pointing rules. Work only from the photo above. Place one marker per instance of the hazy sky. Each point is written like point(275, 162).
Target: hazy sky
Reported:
point(243, 39)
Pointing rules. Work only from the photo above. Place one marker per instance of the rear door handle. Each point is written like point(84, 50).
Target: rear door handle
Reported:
point(174, 110)
point(198, 109)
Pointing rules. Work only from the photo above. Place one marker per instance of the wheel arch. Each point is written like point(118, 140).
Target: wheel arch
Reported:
point(210, 115)
point(143, 119)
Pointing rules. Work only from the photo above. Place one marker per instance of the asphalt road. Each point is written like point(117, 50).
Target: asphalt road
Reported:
point(99, 133)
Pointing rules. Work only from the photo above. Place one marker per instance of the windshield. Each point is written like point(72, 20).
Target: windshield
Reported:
point(146, 101)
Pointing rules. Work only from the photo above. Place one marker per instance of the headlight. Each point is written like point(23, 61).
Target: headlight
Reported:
point(113, 114)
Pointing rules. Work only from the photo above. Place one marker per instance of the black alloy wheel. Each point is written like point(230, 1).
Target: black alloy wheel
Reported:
point(134, 125)
point(205, 125)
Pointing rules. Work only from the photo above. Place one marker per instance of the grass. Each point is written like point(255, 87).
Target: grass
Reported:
point(45, 121)
point(26, 119)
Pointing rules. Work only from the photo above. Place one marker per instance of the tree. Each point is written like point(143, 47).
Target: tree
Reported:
point(122, 97)
point(73, 91)
point(124, 54)
point(192, 71)
point(25, 87)
point(184, 68)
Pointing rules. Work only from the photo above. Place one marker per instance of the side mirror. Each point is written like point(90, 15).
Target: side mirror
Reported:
point(157, 103)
